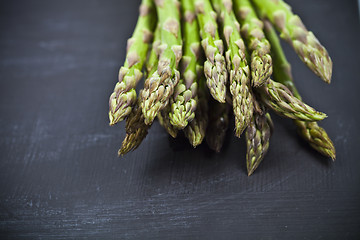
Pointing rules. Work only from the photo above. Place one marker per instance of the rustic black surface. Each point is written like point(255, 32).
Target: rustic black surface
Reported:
point(59, 173)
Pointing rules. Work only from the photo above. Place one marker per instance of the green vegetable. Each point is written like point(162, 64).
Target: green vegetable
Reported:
point(259, 47)
point(279, 98)
point(124, 95)
point(195, 131)
point(237, 66)
point(160, 86)
point(257, 139)
point(304, 42)
point(214, 66)
point(184, 100)
point(315, 135)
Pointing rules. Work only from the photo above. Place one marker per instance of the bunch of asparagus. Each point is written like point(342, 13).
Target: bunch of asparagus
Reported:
point(203, 58)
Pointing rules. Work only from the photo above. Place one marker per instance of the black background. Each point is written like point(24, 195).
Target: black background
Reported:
point(60, 176)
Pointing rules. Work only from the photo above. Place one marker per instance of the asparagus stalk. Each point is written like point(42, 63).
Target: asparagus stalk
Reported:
point(257, 139)
point(160, 86)
point(136, 129)
point(196, 129)
point(259, 47)
point(237, 66)
point(214, 66)
point(184, 100)
point(152, 61)
point(304, 42)
point(315, 135)
point(124, 95)
point(279, 98)
point(218, 125)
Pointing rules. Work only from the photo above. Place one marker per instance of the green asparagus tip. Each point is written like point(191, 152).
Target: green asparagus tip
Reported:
point(261, 70)
point(253, 166)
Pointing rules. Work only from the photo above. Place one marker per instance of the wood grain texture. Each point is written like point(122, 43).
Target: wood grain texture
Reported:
point(60, 177)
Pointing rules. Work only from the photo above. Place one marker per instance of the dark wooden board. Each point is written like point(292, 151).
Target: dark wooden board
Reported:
point(60, 177)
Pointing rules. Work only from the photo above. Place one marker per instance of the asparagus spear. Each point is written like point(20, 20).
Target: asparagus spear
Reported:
point(257, 138)
point(136, 129)
point(214, 66)
point(124, 95)
point(237, 66)
point(218, 125)
point(279, 98)
point(196, 129)
point(152, 61)
point(259, 47)
point(304, 42)
point(315, 135)
point(160, 86)
point(184, 100)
